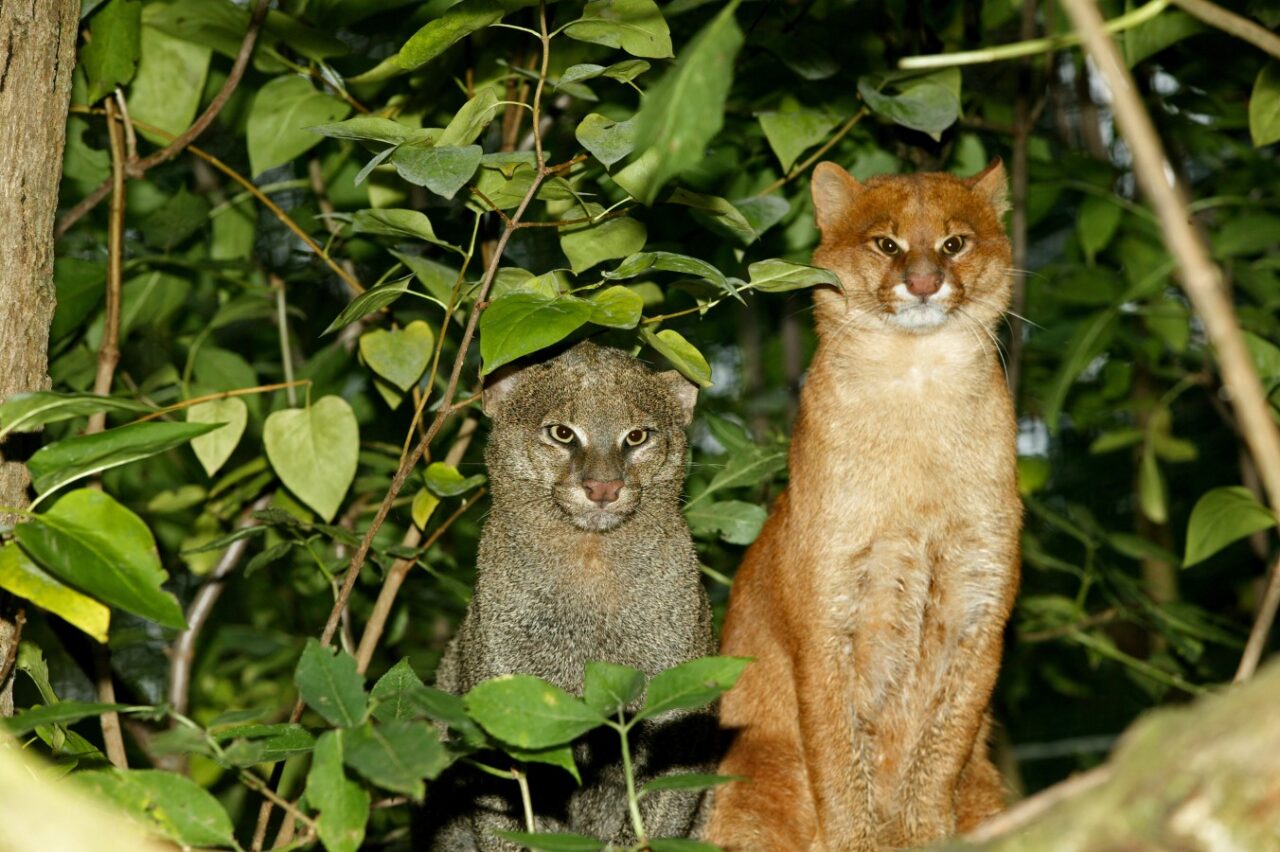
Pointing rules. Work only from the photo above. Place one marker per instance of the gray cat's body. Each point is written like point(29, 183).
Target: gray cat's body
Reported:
point(585, 556)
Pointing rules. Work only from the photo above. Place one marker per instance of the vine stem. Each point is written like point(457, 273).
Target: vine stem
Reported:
point(633, 803)
point(210, 397)
point(286, 351)
point(1229, 22)
point(1200, 278)
point(526, 800)
point(407, 463)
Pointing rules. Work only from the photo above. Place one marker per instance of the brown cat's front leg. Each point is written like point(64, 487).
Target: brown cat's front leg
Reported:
point(839, 777)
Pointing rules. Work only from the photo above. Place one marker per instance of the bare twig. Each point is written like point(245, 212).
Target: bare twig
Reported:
point(1028, 809)
point(1106, 616)
point(138, 168)
point(1261, 627)
point(1200, 278)
point(1023, 121)
point(408, 462)
point(112, 737)
point(1229, 22)
point(210, 397)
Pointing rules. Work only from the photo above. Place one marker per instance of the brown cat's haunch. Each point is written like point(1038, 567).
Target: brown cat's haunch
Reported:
point(875, 598)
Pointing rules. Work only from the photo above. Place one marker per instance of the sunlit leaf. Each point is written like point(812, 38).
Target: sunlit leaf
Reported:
point(22, 577)
point(314, 450)
point(399, 355)
point(636, 26)
point(682, 354)
point(216, 447)
point(280, 121)
point(523, 323)
point(172, 805)
point(1220, 517)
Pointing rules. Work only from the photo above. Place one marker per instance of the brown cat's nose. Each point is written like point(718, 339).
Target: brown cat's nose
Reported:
point(924, 284)
point(600, 492)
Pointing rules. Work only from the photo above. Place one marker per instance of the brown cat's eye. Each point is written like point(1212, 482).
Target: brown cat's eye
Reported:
point(953, 245)
point(636, 437)
point(887, 246)
point(562, 434)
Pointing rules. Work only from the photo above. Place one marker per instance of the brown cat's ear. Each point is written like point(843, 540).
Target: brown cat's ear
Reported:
point(833, 190)
point(498, 386)
point(992, 185)
point(685, 392)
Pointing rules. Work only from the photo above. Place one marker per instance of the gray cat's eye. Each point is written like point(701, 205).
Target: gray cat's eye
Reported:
point(887, 246)
point(561, 434)
point(636, 437)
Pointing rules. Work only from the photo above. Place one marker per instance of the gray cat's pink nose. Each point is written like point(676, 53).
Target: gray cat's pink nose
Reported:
point(924, 285)
point(600, 492)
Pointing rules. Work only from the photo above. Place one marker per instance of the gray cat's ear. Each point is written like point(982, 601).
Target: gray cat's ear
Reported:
point(991, 184)
point(833, 191)
point(498, 386)
point(685, 392)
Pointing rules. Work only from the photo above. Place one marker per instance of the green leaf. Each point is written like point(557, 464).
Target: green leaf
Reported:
point(328, 681)
point(180, 216)
point(636, 26)
point(1153, 36)
point(409, 224)
point(523, 323)
point(682, 113)
point(55, 465)
point(444, 171)
point(1152, 494)
point(608, 688)
point(1220, 517)
point(588, 245)
point(553, 842)
point(396, 755)
point(616, 307)
point(367, 302)
point(424, 505)
point(372, 128)
point(444, 480)
point(780, 276)
point(608, 141)
point(1247, 234)
point(665, 261)
point(400, 694)
point(927, 102)
point(1115, 440)
point(24, 578)
point(111, 53)
point(686, 781)
point(528, 712)
point(216, 447)
point(343, 804)
point(399, 355)
point(170, 804)
point(435, 38)
point(735, 521)
point(561, 756)
point(682, 354)
point(314, 450)
point(692, 684)
point(624, 72)
point(1096, 224)
point(58, 713)
point(27, 412)
point(1264, 354)
point(747, 467)
point(1088, 338)
point(166, 90)
point(1264, 106)
point(792, 129)
point(680, 844)
point(716, 214)
point(280, 121)
point(469, 122)
point(97, 545)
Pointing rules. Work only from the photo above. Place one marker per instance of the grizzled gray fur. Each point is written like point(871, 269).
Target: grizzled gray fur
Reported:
point(585, 556)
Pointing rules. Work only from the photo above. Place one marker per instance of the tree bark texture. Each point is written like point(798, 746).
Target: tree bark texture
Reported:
point(1202, 777)
point(37, 56)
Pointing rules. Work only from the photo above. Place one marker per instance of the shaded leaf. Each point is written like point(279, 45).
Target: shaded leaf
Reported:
point(553, 842)
point(927, 102)
point(608, 688)
point(367, 302)
point(735, 521)
point(444, 171)
point(170, 804)
point(435, 38)
point(396, 755)
point(692, 684)
point(110, 55)
point(1264, 106)
point(793, 128)
point(528, 712)
point(523, 323)
point(1222, 516)
point(608, 141)
point(686, 781)
point(280, 121)
point(682, 354)
point(636, 26)
point(588, 245)
point(343, 804)
point(328, 681)
point(27, 412)
point(410, 224)
point(59, 713)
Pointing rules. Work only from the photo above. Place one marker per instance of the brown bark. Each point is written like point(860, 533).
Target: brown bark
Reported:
point(37, 56)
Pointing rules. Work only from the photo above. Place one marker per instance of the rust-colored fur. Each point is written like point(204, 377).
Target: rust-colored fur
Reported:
point(875, 598)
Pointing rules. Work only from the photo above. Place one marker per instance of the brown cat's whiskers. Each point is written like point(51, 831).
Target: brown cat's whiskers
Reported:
point(995, 340)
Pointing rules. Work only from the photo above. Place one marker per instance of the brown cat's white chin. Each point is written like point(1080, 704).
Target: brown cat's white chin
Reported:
point(919, 316)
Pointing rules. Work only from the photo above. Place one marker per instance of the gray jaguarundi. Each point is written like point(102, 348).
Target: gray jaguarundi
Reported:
point(585, 556)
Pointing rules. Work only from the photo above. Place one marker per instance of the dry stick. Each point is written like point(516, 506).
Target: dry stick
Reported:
point(183, 655)
point(139, 168)
point(262, 198)
point(1200, 278)
point(1022, 123)
point(840, 133)
point(391, 587)
point(408, 462)
point(108, 358)
point(210, 397)
point(1028, 809)
point(1261, 627)
point(1229, 22)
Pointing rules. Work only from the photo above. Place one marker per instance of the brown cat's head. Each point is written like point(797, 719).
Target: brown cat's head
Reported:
point(914, 252)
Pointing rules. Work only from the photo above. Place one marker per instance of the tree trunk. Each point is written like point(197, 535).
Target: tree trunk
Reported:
point(1203, 777)
point(37, 56)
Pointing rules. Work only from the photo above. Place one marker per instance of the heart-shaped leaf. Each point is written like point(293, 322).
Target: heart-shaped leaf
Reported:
point(636, 26)
point(1220, 517)
point(398, 355)
point(608, 141)
point(100, 547)
point(214, 448)
point(314, 450)
point(281, 118)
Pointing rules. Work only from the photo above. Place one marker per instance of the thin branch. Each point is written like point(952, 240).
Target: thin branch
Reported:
point(840, 133)
point(109, 348)
point(1229, 22)
point(1022, 124)
point(112, 737)
point(1123, 22)
point(1261, 627)
point(282, 325)
point(255, 783)
point(1200, 277)
point(407, 463)
point(1106, 616)
point(210, 397)
point(139, 168)
point(1028, 809)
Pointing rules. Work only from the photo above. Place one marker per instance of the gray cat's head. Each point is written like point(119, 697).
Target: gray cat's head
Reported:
point(591, 437)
